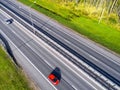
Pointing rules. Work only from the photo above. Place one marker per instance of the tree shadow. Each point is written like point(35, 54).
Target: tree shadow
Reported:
point(8, 49)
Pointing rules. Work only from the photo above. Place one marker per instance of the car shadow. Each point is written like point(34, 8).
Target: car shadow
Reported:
point(57, 72)
point(8, 49)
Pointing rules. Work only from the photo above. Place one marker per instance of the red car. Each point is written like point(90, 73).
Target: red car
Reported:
point(55, 76)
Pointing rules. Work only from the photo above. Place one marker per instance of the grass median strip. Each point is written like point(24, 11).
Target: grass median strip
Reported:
point(11, 78)
point(100, 33)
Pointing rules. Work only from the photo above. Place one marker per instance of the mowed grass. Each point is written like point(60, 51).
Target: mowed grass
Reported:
point(11, 78)
point(100, 33)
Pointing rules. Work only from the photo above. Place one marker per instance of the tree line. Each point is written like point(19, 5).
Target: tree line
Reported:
point(109, 6)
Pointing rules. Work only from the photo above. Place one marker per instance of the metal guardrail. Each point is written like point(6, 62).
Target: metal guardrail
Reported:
point(92, 72)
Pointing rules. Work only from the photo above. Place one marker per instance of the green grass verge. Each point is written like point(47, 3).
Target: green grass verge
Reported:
point(11, 78)
point(100, 33)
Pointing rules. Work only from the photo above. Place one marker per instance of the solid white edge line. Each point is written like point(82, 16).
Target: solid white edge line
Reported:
point(95, 50)
point(58, 58)
point(74, 87)
point(29, 61)
point(66, 64)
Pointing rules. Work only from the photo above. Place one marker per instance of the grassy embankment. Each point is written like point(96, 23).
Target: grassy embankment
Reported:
point(100, 33)
point(11, 78)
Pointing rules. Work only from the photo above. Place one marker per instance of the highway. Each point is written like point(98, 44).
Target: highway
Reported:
point(43, 58)
point(73, 45)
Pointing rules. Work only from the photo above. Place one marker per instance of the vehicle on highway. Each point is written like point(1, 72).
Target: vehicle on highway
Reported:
point(55, 76)
point(9, 21)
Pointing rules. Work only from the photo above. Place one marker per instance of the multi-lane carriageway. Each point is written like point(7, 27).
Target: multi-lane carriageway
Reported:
point(77, 50)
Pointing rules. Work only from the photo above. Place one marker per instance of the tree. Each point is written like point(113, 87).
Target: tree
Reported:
point(114, 2)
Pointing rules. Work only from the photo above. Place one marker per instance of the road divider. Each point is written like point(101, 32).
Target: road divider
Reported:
point(109, 85)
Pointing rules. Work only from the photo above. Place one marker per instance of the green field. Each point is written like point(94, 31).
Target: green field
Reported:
point(11, 78)
point(101, 33)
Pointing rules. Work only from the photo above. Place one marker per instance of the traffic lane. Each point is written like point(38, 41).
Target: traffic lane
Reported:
point(36, 60)
point(15, 50)
point(8, 33)
point(12, 36)
point(49, 20)
point(102, 65)
point(77, 46)
point(54, 61)
point(99, 70)
point(48, 57)
point(104, 68)
point(116, 81)
point(14, 28)
point(46, 71)
point(32, 45)
point(27, 16)
point(43, 67)
point(16, 31)
point(26, 11)
point(103, 59)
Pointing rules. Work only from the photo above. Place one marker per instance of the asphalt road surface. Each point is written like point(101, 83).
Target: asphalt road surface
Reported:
point(45, 59)
point(76, 46)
